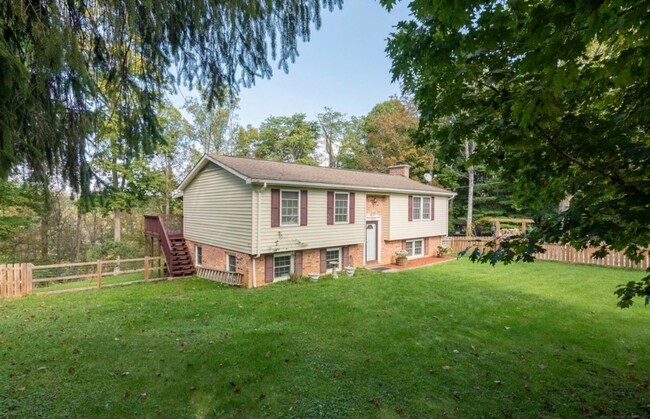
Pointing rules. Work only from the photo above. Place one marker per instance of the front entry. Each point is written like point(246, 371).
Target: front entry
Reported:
point(371, 242)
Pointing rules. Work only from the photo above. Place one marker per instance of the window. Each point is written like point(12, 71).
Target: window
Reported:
point(231, 263)
point(341, 209)
point(333, 257)
point(290, 208)
point(198, 255)
point(415, 247)
point(421, 208)
point(282, 266)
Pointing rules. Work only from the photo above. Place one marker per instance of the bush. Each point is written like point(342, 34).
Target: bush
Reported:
point(114, 250)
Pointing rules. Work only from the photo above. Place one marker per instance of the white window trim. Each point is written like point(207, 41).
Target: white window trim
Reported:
point(347, 209)
point(421, 212)
point(340, 250)
point(291, 265)
point(414, 256)
point(299, 207)
point(228, 256)
point(196, 255)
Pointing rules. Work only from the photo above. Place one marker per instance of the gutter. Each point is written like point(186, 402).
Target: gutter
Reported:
point(348, 187)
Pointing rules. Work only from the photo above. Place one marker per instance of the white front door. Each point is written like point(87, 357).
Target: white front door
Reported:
point(371, 242)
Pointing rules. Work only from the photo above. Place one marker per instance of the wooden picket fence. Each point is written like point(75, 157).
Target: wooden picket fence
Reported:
point(230, 278)
point(15, 280)
point(561, 253)
point(21, 279)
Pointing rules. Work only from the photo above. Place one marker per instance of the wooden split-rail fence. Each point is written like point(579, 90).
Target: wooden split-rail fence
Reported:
point(560, 253)
point(21, 279)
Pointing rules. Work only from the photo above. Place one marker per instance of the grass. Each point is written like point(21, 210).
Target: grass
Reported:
point(457, 340)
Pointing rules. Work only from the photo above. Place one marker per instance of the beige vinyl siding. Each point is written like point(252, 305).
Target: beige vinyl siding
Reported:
point(217, 210)
point(400, 228)
point(317, 233)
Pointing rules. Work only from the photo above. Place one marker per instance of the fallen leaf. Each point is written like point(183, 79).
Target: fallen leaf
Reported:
point(446, 367)
point(192, 388)
point(72, 370)
point(497, 381)
point(456, 351)
point(377, 402)
point(21, 389)
point(268, 354)
point(336, 374)
point(541, 366)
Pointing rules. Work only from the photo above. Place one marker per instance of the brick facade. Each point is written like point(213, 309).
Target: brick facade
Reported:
point(215, 258)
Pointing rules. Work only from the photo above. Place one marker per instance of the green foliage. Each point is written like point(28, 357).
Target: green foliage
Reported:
point(452, 340)
point(66, 64)
point(385, 139)
point(110, 250)
point(213, 127)
point(15, 208)
point(556, 95)
point(333, 128)
point(291, 139)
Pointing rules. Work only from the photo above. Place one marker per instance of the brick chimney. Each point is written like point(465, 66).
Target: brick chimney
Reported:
point(400, 169)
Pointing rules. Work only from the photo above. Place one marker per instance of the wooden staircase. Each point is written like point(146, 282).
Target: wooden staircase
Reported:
point(168, 230)
point(181, 261)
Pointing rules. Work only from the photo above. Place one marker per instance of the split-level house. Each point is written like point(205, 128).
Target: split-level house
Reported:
point(268, 220)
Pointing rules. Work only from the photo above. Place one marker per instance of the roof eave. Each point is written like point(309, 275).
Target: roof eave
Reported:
point(347, 187)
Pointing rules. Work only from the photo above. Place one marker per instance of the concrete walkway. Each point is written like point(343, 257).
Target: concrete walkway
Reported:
point(412, 264)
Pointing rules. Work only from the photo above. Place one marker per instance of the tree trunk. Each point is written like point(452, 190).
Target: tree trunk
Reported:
point(117, 214)
point(470, 201)
point(77, 237)
point(168, 174)
point(470, 147)
point(117, 225)
point(45, 229)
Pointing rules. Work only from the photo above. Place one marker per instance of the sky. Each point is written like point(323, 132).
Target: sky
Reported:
point(344, 66)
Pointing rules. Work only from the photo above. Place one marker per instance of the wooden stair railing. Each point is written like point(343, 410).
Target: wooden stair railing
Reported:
point(169, 231)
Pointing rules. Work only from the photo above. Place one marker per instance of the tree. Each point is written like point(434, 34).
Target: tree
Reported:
point(174, 159)
point(290, 139)
point(333, 126)
point(388, 130)
point(55, 54)
point(557, 94)
point(214, 128)
point(245, 141)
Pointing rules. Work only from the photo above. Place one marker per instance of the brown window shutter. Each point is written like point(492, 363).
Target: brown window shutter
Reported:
point(275, 208)
point(426, 246)
point(268, 268)
point(410, 207)
point(403, 244)
point(298, 262)
point(351, 206)
point(330, 207)
point(433, 208)
point(346, 257)
point(323, 261)
point(303, 208)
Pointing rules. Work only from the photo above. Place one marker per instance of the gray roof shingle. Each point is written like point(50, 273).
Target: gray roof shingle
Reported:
point(271, 171)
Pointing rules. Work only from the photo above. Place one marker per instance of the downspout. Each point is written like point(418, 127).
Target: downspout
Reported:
point(259, 232)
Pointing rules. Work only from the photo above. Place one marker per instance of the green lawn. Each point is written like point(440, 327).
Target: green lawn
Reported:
point(456, 340)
